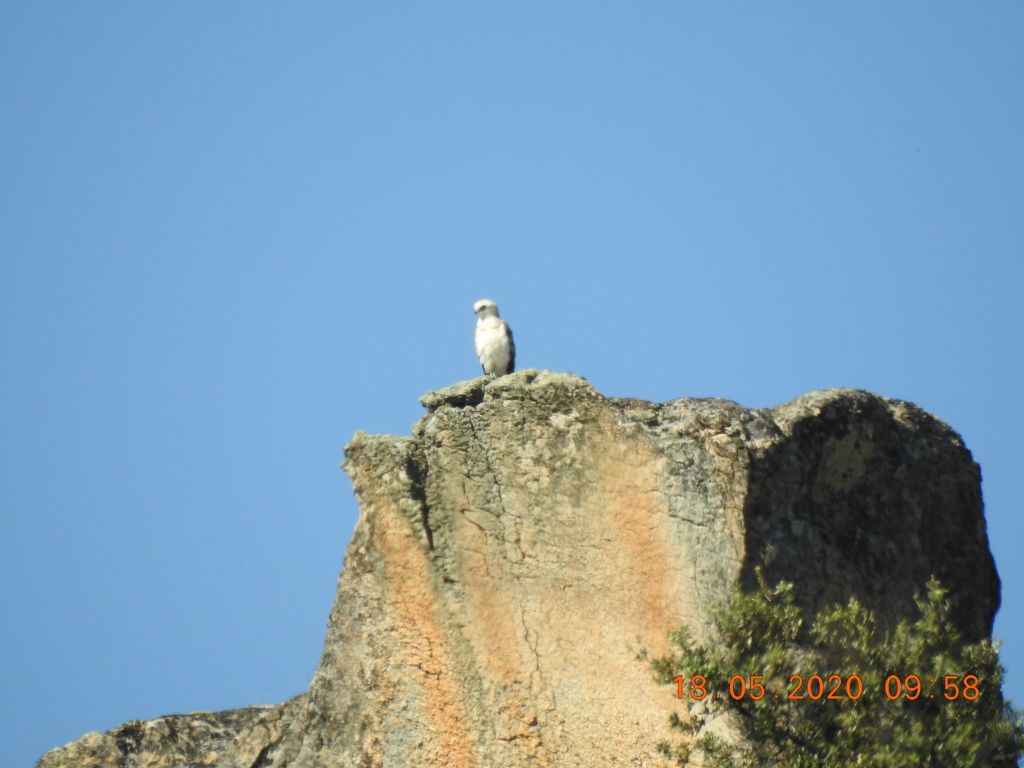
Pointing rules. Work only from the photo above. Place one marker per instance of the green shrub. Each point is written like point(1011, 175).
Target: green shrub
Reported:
point(915, 697)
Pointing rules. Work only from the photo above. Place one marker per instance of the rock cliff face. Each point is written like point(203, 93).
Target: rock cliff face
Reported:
point(513, 555)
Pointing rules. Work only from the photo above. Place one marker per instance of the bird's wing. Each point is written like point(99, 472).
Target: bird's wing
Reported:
point(511, 349)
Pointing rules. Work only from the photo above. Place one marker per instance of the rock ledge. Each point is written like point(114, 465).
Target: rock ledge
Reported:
point(515, 552)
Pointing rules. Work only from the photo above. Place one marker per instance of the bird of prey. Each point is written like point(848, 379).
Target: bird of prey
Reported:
point(493, 337)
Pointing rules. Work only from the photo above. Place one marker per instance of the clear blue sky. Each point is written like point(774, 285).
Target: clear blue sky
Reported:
point(232, 234)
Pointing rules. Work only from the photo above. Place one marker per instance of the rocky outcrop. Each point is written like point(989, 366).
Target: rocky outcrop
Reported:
point(513, 555)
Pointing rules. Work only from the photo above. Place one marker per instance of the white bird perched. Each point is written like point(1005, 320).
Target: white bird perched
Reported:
point(493, 338)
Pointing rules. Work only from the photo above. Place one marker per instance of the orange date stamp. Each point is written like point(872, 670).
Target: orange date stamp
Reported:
point(832, 688)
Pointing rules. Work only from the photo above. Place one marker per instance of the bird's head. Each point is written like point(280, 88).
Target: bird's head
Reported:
point(485, 308)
